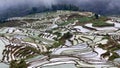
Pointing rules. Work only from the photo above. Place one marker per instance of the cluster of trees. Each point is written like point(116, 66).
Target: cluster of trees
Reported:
point(65, 7)
point(54, 8)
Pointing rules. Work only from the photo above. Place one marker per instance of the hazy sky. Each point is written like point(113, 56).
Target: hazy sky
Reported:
point(4, 4)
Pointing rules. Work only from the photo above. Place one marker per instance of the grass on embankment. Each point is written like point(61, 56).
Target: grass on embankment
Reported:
point(100, 22)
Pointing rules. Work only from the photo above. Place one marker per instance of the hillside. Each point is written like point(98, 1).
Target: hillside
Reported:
point(60, 39)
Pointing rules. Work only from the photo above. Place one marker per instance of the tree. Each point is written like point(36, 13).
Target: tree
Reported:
point(96, 16)
point(67, 35)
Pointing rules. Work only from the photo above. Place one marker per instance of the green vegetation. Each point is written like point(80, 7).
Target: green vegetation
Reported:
point(97, 22)
point(105, 54)
point(81, 20)
point(101, 24)
point(34, 50)
point(114, 48)
point(114, 56)
point(84, 19)
point(28, 40)
point(117, 47)
point(61, 41)
point(55, 44)
point(96, 16)
point(67, 35)
point(18, 64)
point(106, 37)
point(111, 46)
point(58, 35)
point(11, 23)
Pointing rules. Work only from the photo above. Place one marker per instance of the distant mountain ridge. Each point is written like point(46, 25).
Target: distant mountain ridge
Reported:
point(23, 11)
point(16, 12)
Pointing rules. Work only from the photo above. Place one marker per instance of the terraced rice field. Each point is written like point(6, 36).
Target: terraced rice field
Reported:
point(44, 43)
